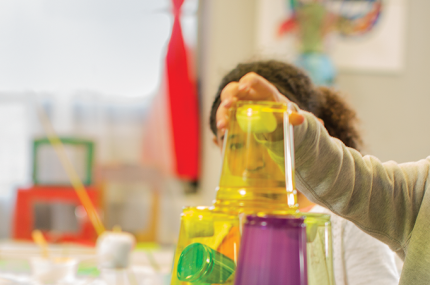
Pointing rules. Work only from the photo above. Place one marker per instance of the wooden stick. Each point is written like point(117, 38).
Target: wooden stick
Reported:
point(71, 172)
point(40, 240)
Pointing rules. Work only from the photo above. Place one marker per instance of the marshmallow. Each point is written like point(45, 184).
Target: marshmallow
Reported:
point(114, 248)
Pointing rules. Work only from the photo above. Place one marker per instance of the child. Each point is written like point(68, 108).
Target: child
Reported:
point(358, 258)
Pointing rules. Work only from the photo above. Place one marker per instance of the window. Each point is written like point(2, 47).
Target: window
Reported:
point(94, 64)
point(106, 46)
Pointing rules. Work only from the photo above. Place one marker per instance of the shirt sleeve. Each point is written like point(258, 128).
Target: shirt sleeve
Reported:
point(383, 199)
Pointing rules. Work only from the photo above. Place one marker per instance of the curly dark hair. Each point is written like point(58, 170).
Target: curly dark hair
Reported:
point(325, 103)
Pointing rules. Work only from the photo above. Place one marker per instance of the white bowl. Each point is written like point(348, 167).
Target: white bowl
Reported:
point(53, 270)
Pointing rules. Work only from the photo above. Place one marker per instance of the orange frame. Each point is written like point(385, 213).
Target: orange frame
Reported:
point(23, 219)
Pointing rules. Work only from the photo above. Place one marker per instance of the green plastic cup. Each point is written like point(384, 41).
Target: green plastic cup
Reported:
point(199, 263)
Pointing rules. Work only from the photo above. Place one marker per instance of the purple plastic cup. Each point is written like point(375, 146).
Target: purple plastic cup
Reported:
point(272, 251)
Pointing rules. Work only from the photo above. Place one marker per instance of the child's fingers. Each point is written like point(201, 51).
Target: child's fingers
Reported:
point(296, 119)
point(255, 87)
point(250, 87)
point(228, 97)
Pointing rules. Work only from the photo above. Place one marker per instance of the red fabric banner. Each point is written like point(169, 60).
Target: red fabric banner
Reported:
point(183, 102)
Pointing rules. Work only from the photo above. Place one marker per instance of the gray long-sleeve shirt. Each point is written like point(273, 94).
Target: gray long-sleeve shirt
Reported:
point(387, 200)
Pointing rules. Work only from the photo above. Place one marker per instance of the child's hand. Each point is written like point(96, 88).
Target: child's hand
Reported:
point(251, 87)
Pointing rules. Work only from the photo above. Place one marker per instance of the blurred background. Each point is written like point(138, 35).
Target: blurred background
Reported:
point(110, 77)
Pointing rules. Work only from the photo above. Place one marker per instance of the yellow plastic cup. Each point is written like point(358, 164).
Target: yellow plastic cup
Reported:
point(252, 176)
point(218, 234)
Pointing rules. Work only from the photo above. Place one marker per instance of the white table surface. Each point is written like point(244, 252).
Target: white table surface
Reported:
point(15, 266)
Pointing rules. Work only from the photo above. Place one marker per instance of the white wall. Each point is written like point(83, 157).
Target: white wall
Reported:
point(393, 108)
point(227, 38)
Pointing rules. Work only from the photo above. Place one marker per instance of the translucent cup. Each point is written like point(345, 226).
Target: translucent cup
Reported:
point(206, 234)
point(199, 263)
point(253, 176)
point(319, 248)
point(273, 251)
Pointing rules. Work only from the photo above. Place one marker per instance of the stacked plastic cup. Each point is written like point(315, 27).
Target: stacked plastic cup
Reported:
point(199, 263)
point(207, 248)
point(257, 178)
point(273, 251)
point(252, 177)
